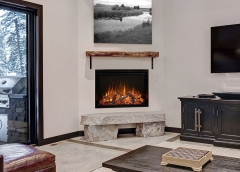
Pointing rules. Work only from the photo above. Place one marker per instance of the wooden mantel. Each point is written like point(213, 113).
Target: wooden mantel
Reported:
point(148, 54)
point(121, 54)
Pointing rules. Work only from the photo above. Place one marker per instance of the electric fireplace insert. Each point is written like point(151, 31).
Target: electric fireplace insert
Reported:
point(121, 88)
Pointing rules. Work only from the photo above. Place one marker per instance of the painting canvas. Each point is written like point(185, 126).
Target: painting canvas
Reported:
point(123, 21)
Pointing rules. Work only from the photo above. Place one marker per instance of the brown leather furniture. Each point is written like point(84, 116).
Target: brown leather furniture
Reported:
point(1, 163)
point(23, 158)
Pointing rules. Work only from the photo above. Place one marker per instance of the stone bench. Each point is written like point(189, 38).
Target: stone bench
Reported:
point(104, 126)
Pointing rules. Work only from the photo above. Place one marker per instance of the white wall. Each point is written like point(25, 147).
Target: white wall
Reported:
point(86, 76)
point(183, 67)
point(60, 66)
point(68, 82)
point(187, 50)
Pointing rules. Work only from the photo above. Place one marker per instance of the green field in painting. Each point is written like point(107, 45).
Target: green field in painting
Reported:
point(105, 11)
point(138, 35)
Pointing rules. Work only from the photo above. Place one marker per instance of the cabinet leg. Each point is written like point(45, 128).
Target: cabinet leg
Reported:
point(197, 169)
point(164, 163)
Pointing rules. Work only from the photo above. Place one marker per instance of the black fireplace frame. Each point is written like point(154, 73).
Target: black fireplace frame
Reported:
point(122, 71)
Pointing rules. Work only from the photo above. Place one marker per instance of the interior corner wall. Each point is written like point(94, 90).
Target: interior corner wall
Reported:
point(60, 66)
point(187, 46)
point(87, 77)
point(181, 33)
point(68, 83)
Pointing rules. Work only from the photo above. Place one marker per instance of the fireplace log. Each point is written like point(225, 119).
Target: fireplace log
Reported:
point(132, 97)
point(121, 98)
point(114, 99)
point(109, 96)
point(108, 99)
point(119, 95)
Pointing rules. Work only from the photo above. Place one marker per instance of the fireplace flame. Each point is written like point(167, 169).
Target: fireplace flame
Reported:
point(121, 95)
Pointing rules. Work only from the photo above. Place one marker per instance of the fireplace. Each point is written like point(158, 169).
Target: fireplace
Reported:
point(121, 88)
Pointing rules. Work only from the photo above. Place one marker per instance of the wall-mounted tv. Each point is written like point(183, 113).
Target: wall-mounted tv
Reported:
point(225, 49)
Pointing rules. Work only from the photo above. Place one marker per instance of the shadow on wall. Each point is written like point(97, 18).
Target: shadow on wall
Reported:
point(89, 3)
point(89, 73)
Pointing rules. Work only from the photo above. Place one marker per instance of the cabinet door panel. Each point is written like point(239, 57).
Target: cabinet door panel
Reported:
point(228, 121)
point(206, 120)
point(189, 119)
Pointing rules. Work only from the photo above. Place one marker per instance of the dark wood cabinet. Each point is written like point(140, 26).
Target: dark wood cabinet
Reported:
point(214, 121)
point(197, 121)
point(206, 120)
point(189, 119)
point(228, 123)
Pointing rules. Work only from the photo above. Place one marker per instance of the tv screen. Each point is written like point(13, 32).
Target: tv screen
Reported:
point(225, 49)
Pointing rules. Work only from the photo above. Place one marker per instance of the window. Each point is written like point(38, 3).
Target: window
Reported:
point(13, 41)
point(21, 58)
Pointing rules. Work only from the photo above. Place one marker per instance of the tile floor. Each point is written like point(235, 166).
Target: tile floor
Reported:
point(77, 155)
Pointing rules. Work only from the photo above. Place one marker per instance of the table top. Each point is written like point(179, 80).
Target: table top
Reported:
point(148, 159)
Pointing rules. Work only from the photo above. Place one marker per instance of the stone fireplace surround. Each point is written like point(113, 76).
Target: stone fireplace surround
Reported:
point(113, 54)
point(104, 126)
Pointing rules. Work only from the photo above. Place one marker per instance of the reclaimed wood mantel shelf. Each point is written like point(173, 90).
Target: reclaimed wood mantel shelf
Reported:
point(120, 54)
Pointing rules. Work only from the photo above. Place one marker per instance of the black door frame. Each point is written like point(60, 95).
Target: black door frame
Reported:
point(35, 65)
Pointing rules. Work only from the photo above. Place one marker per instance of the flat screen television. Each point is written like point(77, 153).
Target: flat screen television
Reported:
point(225, 49)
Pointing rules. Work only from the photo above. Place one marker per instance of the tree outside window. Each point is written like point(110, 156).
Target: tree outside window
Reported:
point(12, 43)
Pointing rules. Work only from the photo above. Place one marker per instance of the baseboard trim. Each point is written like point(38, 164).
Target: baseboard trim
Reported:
point(81, 133)
point(197, 139)
point(61, 138)
point(226, 144)
point(173, 129)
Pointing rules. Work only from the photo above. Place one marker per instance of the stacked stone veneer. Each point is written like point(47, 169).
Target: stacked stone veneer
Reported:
point(17, 120)
point(104, 126)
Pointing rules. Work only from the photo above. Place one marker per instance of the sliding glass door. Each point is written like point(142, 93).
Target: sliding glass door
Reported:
point(13, 77)
point(18, 59)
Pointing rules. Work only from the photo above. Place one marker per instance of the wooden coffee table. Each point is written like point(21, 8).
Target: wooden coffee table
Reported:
point(148, 159)
point(193, 158)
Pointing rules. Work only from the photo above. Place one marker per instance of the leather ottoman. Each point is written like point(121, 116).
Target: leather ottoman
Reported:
point(23, 158)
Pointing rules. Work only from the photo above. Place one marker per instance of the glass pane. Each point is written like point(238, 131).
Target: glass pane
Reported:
point(13, 77)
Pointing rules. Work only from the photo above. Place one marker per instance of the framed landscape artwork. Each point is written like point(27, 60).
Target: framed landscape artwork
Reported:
point(123, 21)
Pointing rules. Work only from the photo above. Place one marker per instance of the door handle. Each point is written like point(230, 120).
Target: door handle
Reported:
point(196, 114)
point(199, 120)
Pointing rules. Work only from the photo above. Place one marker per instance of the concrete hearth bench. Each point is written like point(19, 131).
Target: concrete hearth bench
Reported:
point(104, 126)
